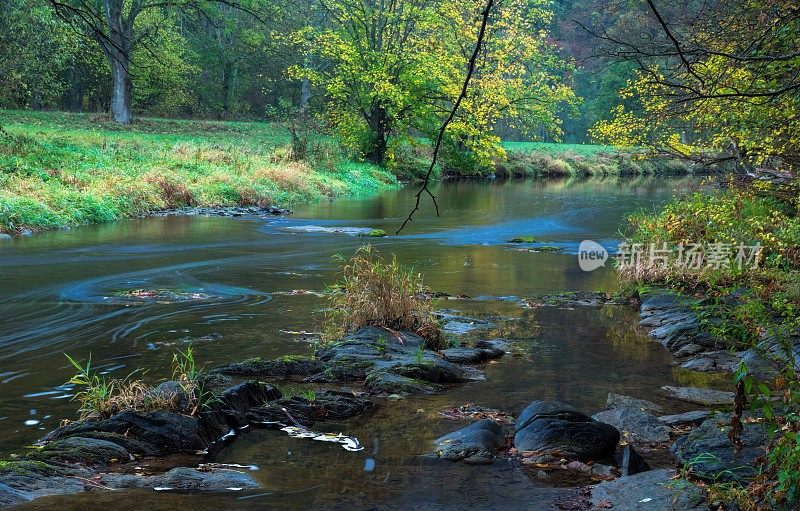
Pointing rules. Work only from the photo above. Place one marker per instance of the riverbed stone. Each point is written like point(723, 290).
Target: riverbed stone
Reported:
point(635, 425)
point(706, 397)
point(86, 451)
point(390, 383)
point(476, 355)
point(326, 405)
point(280, 368)
point(714, 362)
point(711, 454)
point(687, 418)
point(475, 444)
point(654, 490)
point(557, 428)
point(622, 401)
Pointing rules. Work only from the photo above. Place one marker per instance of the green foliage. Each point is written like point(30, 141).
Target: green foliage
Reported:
point(389, 74)
point(374, 291)
point(752, 308)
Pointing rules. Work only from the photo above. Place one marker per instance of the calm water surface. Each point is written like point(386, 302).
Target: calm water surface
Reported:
point(59, 293)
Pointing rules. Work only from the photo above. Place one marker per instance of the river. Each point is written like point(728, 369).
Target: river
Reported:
point(63, 292)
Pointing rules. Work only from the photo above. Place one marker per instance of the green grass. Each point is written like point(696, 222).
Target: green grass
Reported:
point(60, 169)
point(555, 148)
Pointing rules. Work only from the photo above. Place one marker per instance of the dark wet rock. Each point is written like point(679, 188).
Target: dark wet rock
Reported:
point(133, 445)
point(185, 479)
point(25, 480)
point(281, 368)
point(475, 443)
point(386, 382)
point(686, 418)
point(714, 362)
point(223, 211)
point(326, 405)
point(706, 397)
point(174, 432)
point(664, 300)
point(556, 427)
point(711, 454)
point(623, 401)
point(371, 352)
point(453, 323)
point(8, 495)
point(173, 392)
point(635, 425)
point(630, 462)
point(167, 431)
point(86, 451)
point(462, 355)
point(689, 350)
point(349, 231)
point(654, 490)
point(577, 299)
point(498, 346)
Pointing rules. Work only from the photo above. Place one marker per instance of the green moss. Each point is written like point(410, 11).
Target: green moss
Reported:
point(374, 233)
point(548, 248)
point(523, 239)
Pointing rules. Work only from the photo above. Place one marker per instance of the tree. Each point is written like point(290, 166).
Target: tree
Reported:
point(720, 81)
point(116, 28)
point(397, 67)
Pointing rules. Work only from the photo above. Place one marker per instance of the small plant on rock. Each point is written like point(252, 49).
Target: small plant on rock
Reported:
point(375, 291)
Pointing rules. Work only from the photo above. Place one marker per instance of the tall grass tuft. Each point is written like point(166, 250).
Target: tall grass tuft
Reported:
point(375, 291)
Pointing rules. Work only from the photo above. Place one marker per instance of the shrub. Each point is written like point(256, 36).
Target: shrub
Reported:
point(374, 291)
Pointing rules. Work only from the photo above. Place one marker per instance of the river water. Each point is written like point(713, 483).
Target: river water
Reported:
point(238, 282)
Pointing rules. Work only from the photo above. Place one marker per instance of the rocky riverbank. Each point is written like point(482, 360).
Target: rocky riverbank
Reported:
point(626, 453)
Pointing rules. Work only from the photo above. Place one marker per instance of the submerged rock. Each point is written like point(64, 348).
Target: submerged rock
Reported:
point(635, 425)
point(710, 454)
point(483, 351)
point(184, 479)
point(558, 428)
point(387, 382)
point(475, 443)
point(707, 397)
point(655, 490)
point(326, 405)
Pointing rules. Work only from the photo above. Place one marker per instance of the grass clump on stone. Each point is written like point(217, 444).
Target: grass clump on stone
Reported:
point(375, 291)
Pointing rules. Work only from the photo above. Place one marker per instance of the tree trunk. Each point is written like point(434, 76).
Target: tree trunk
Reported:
point(120, 92)
point(378, 123)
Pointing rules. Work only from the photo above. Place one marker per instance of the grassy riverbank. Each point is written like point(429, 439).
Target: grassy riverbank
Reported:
point(59, 169)
point(755, 307)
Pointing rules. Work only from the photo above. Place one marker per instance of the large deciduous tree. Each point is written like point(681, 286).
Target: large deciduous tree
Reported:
point(116, 27)
point(718, 79)
point(396, 66)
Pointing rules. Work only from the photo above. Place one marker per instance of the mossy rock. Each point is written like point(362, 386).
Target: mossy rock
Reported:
point(523, 239)
point(387, 382)
point(88, 451)
point(373, 233)
point(548, 248)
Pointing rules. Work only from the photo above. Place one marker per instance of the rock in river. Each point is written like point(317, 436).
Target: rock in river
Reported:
point(711, 454)
point(635, 425)
point(654, 490)
point(707, 397)
point(475, 443)
point(558, 428)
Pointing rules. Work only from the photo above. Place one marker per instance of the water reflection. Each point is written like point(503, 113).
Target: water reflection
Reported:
point(58, 294)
